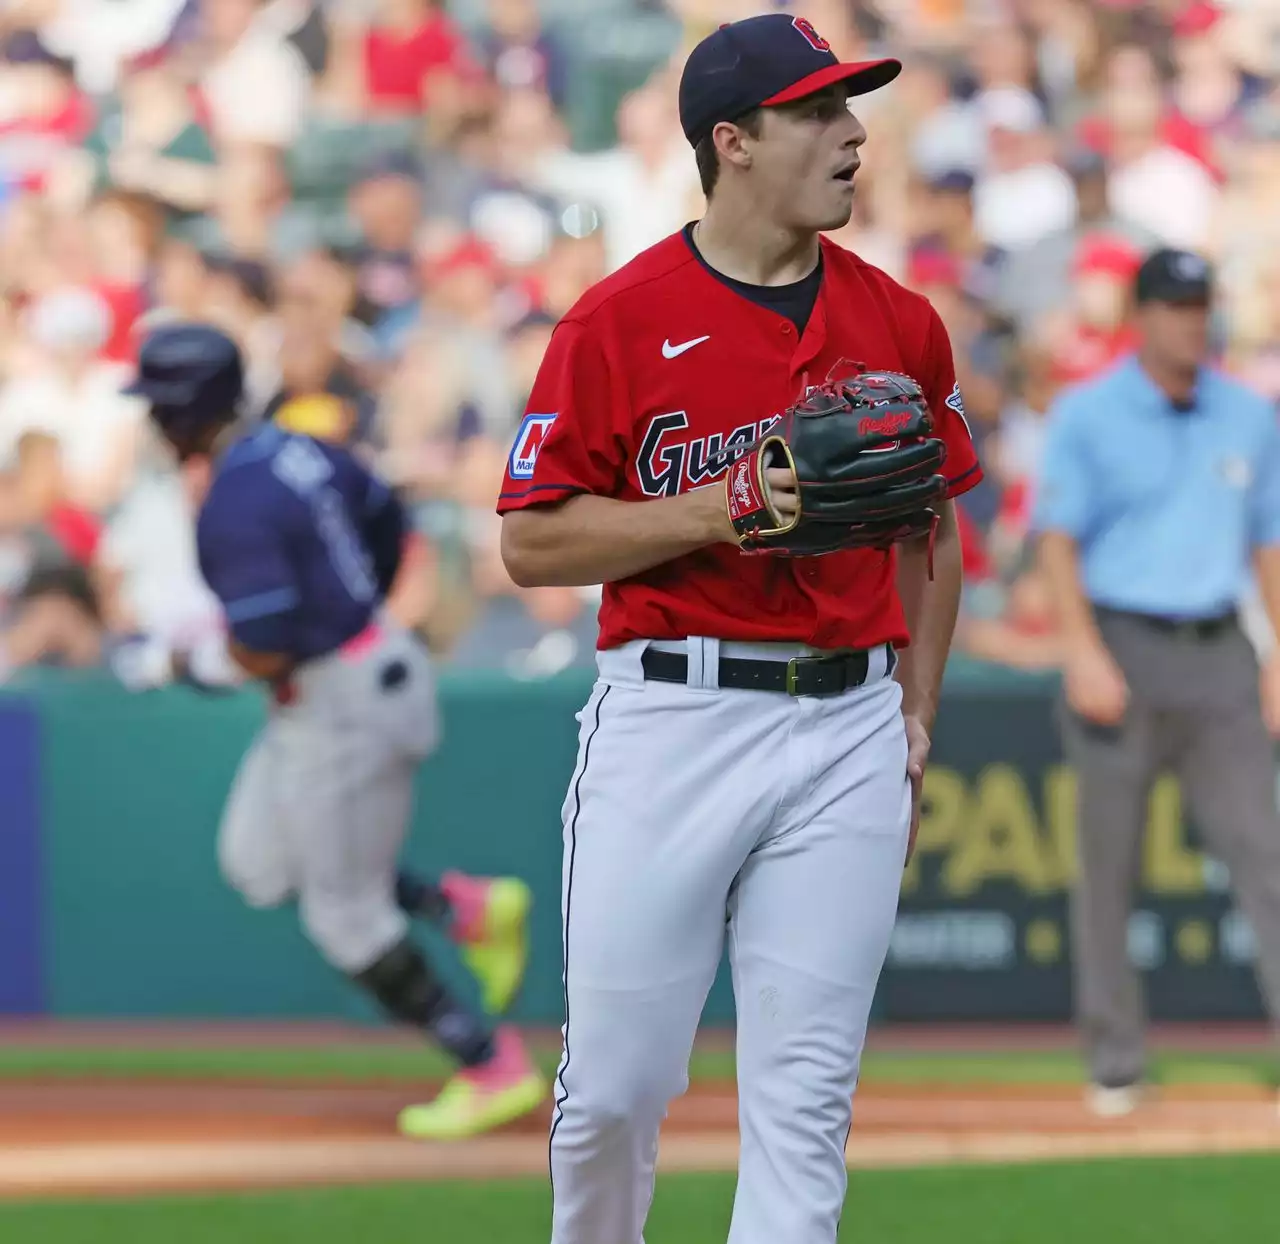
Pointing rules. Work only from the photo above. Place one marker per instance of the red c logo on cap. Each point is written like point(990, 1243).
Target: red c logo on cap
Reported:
point(811, 36)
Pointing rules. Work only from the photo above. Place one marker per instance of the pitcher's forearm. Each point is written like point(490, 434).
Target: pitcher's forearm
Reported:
point(931, 607)
point(589, 539)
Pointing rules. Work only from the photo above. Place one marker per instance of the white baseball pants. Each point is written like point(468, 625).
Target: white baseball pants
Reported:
point(696, 812)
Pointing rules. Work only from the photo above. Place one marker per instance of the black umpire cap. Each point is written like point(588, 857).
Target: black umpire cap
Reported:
point(192, 376)
point(761, 61)
point(1175, 276)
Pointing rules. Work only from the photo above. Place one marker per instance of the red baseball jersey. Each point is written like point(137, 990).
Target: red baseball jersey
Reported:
point(655, 381)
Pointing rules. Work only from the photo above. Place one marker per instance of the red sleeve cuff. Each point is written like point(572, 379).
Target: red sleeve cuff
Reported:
point(962, 483)
point(536, 494)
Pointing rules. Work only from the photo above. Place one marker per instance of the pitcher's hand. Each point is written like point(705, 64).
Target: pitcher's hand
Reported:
point(783, 496)
point(782, 491)
point(918, 744)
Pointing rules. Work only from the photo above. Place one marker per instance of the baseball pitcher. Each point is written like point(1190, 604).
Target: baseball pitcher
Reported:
point(752, 438)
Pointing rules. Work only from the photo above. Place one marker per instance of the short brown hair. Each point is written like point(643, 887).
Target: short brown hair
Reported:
point(705, 152)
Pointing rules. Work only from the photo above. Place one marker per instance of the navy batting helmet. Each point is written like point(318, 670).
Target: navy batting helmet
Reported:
point(192, 375)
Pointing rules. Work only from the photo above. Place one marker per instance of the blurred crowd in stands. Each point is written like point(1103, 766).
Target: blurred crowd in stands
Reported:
point(389, 203)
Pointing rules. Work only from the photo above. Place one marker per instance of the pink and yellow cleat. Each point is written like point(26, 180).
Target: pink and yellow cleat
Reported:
point(490, 927)
point(479, 1099)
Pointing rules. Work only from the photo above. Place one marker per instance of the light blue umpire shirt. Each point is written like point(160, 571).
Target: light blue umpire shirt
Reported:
point(1165, 507)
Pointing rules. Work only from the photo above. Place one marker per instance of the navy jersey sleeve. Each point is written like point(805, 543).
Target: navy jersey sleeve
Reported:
point(245, 562)
point(384, 527)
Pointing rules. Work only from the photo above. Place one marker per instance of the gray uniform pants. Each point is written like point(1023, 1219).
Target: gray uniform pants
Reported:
point(321, 803)
point(1193, 709)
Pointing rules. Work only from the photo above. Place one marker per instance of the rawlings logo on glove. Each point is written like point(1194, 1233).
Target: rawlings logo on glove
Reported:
point(866, 464)
point(889, 425)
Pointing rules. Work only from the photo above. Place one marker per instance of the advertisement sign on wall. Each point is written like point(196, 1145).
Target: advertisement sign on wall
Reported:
point(983, 930)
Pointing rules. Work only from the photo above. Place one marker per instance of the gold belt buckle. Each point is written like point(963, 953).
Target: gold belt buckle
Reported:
point(792, 667)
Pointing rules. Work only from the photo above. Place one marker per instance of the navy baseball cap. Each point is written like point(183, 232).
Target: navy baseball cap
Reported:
point(761, 61)
point(1174, 276)
point(191, 374)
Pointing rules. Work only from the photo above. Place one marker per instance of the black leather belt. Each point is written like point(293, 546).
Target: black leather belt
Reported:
point(1181, 628)
point(829, 674)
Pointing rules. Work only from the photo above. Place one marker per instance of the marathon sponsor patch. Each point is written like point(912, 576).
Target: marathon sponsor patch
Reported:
point(524, 453)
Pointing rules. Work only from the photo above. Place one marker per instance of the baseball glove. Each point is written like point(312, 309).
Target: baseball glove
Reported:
point(866, 465)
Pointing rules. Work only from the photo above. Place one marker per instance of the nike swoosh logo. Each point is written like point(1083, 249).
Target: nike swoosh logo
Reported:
point(671, 352)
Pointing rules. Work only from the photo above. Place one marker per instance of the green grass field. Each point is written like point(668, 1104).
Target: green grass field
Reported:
point(1199, 1201)
point(365, 1063)
point(1232, 1199)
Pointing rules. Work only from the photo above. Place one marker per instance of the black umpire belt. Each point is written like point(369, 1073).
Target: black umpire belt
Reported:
point(1181, 628)
point(829, 674)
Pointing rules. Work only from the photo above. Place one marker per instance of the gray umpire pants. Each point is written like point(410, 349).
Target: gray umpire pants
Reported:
point(1194, 709)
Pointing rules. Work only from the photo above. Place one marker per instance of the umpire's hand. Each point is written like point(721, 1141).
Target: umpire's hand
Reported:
point(1095, 686)
point(1269, 689)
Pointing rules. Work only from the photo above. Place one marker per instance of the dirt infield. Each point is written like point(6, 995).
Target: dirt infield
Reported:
point(77, 1138)
point(926, 1037)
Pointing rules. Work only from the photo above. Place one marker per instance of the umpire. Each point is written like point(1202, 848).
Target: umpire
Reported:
point(1160, 486)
